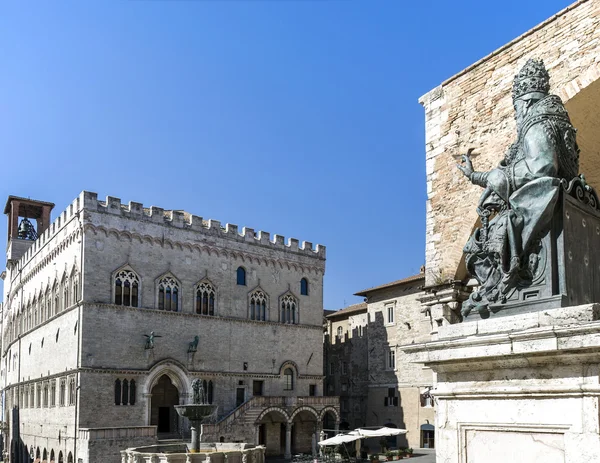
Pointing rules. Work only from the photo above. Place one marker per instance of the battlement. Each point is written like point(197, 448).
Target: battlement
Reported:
point(185, 220)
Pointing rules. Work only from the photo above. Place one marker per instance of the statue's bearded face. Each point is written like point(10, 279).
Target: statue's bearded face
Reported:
point(521, 107)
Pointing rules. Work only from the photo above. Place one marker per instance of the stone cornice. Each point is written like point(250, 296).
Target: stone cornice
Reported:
point(212, 317)
point(210, 249)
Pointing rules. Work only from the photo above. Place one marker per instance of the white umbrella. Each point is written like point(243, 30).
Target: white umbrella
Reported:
point(381, 432)
point(341, 439)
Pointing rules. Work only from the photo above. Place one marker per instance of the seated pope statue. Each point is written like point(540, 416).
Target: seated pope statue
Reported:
point(520, 195)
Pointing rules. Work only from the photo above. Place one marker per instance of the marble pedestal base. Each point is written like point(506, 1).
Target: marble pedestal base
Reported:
point(519, 389)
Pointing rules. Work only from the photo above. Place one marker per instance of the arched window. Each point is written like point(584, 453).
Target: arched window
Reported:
point(56, 300)
point(125, 392)
point(205, 299)
point(258, 305)
point(45, 455)
point(208, 390)
point(168, 294)
point(288, 375)
point(132, 392)
point(70, 458)
point(48, 305)
point(126, 288)
point(75, 286)
point(60, 457)
point(118, 392)
point(304, 287)
point(52, 455)
point(66, 290)
point(288, 308)
point(241, 276)
point(340, 332)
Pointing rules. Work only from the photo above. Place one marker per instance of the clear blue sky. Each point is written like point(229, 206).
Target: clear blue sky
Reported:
point(295, 117)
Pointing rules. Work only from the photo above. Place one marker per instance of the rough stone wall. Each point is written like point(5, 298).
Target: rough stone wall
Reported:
point(474, 109)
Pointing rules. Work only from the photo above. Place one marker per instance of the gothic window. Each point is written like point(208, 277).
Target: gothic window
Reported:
point(75, 290)
point(208, 390)
point(258, 305)
point(288, 375)
point(304, 287)
point(288, 309)
point(48, 305)
point(132, 392)
point(118, 392)
point(38, 395)
point(124, 392)
point(126, 288)
point(56, 300)
point(241, 276)
point(32, 396)
point(205, 299)
point(168, 294)
point(26, 397)
point(66, 290)
point(46, 391)
point(53, 393)
point(72, 390)
point(62, 392)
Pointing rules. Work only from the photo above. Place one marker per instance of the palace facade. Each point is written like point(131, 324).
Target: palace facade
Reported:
point(112, 310)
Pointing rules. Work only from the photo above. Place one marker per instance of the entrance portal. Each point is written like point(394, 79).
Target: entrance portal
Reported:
point(162, 413)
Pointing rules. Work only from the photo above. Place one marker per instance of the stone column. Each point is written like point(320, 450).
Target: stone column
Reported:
point(337, 427)
point(257, 434)
point(288, 441)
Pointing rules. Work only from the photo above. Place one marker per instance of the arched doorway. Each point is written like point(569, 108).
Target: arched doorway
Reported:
point(272, 426)
point(162, 409)
point(304, 426)
point(328, 425)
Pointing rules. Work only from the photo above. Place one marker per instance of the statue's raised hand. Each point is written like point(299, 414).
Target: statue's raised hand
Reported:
point(467, 167)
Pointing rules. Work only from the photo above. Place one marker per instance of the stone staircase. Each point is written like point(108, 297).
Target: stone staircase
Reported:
point(240, 423)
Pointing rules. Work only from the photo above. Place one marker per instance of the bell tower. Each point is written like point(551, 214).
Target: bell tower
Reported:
point(22, 233)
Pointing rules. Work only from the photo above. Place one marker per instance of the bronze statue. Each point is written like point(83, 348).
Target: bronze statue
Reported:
point(521, 194)
point(150, 340)
point(199, 397)
point(193, 345)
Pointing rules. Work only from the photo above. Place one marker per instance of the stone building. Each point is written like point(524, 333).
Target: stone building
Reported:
point(111, 311)
point(345, 360)
point(376, 382)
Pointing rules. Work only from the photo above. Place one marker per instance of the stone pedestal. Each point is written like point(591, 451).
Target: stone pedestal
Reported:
point(521, 388)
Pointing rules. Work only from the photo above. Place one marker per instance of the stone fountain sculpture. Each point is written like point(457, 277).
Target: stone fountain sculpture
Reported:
point(196, 412)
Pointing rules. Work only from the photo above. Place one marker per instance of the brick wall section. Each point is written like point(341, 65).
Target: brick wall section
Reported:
point(474, 109)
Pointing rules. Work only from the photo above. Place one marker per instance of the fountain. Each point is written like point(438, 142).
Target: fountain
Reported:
point(196, 413)
point(221, 452)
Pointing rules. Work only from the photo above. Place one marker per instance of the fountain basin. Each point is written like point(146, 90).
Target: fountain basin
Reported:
point(195, 412)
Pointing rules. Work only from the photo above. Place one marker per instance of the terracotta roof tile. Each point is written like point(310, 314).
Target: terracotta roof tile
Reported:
point(356, 308)
point(411, 279)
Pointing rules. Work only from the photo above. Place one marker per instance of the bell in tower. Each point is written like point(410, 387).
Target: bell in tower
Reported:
point(26, 230)
point(22, 232)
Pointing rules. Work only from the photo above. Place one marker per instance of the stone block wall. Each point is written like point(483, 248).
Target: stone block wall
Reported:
point(473, 109)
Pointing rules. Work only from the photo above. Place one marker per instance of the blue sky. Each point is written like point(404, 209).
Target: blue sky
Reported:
point(295, 117)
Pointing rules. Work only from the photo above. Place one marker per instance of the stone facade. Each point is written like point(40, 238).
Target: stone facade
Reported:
point(368, 339)
point(82, 300)
point(345, 361)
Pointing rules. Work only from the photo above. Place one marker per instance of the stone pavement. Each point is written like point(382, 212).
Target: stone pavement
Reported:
point(422, 456)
